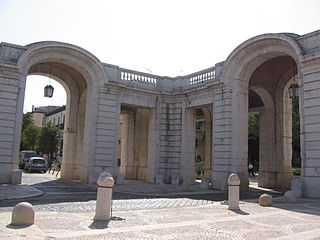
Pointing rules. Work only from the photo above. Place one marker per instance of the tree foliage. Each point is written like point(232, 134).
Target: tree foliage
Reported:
point(49, 139)
point(29, 137)
point(253, 127)
point(26, 120)
point(295, 122)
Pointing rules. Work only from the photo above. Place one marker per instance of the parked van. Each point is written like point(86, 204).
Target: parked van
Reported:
point(24, 156)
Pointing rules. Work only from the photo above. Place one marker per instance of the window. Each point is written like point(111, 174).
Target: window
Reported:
point(43, 122)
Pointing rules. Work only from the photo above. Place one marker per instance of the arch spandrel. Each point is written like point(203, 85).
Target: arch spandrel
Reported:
point(243, 60)
point(70, 55)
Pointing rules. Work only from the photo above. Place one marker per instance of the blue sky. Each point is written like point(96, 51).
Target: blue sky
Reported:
point(165, 37)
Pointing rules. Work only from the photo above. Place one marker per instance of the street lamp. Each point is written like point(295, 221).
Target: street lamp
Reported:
point(293, 90)
point(48, 91)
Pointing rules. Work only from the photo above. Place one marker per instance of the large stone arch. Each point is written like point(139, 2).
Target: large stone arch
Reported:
point(81, 74)
point(237, 71)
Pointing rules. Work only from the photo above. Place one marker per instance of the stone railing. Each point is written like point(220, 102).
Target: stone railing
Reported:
point(133, 76)
point(201, 76)
point(199, 79)
point(152, 82)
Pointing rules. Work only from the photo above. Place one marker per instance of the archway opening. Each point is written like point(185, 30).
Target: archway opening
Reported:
point(269, 99)
point(133, 157)
point(69, 117)
point(40, 112)
point(203, 142)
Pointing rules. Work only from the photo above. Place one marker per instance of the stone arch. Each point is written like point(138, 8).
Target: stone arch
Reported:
point(237, 71)
point(81, 74)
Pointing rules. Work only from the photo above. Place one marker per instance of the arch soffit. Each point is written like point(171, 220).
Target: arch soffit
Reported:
point(241, 63)
point(73, 56)
point(265, 97)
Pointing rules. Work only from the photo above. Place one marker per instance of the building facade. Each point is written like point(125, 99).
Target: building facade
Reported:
point(39, 114)
point(157, 132)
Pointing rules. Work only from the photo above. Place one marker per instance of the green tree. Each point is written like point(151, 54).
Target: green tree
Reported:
point(295, 122)
point(26, 120)
point(29, 137)
point(253, 127)
point(49, 140)
point(296, 155)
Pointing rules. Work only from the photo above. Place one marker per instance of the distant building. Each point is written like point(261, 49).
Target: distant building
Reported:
point(56, 117)
point(54, 114)
point(38, 114)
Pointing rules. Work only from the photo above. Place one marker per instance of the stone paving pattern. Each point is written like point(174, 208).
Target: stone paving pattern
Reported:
point(66, 211)
point(213, 221)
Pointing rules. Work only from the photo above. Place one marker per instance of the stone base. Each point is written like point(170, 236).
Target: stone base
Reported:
point(16, 177)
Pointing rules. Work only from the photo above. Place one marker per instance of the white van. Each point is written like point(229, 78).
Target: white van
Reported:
point(24, 156)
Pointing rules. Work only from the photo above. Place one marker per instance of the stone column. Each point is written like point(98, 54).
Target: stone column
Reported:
point(283, 168)
point(141, 127)
point(127, 145)
point(267, 149)
point(153, 145)
point(188, 147)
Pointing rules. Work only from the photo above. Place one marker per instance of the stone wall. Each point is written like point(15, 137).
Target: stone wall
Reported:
point(10, 119)
point(170, 139)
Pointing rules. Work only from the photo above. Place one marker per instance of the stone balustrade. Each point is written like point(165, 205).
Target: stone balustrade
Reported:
point(129, 75)
point(202, 76)
point(164, 84)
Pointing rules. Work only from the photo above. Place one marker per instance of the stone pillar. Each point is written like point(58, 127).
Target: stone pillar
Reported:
point(127, 144)
point(310, 125)
point(68, 168)
point(12, 86)
point(283, 168)
point(233, 191)
point(153, 145)
point(267, 149)
point(141, 127)
point(239, 140)
point(222, 123)
point(208, 141)
point(103, 206)
point(188, 147)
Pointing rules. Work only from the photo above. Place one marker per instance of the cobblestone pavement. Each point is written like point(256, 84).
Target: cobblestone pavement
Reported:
point(69, 197)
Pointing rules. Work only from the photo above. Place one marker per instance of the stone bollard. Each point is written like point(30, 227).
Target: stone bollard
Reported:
point(205, 183)
point(265, 200)
point(23, 214)
point(289, 197)
point(16, 177)
point(159, 179)
point(297, 187)
point(175, 179)
point(120, 179)
point(233, 191)
point(103, 207)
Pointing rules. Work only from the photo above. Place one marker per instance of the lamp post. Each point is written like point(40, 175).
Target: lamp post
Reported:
point(48, 91)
